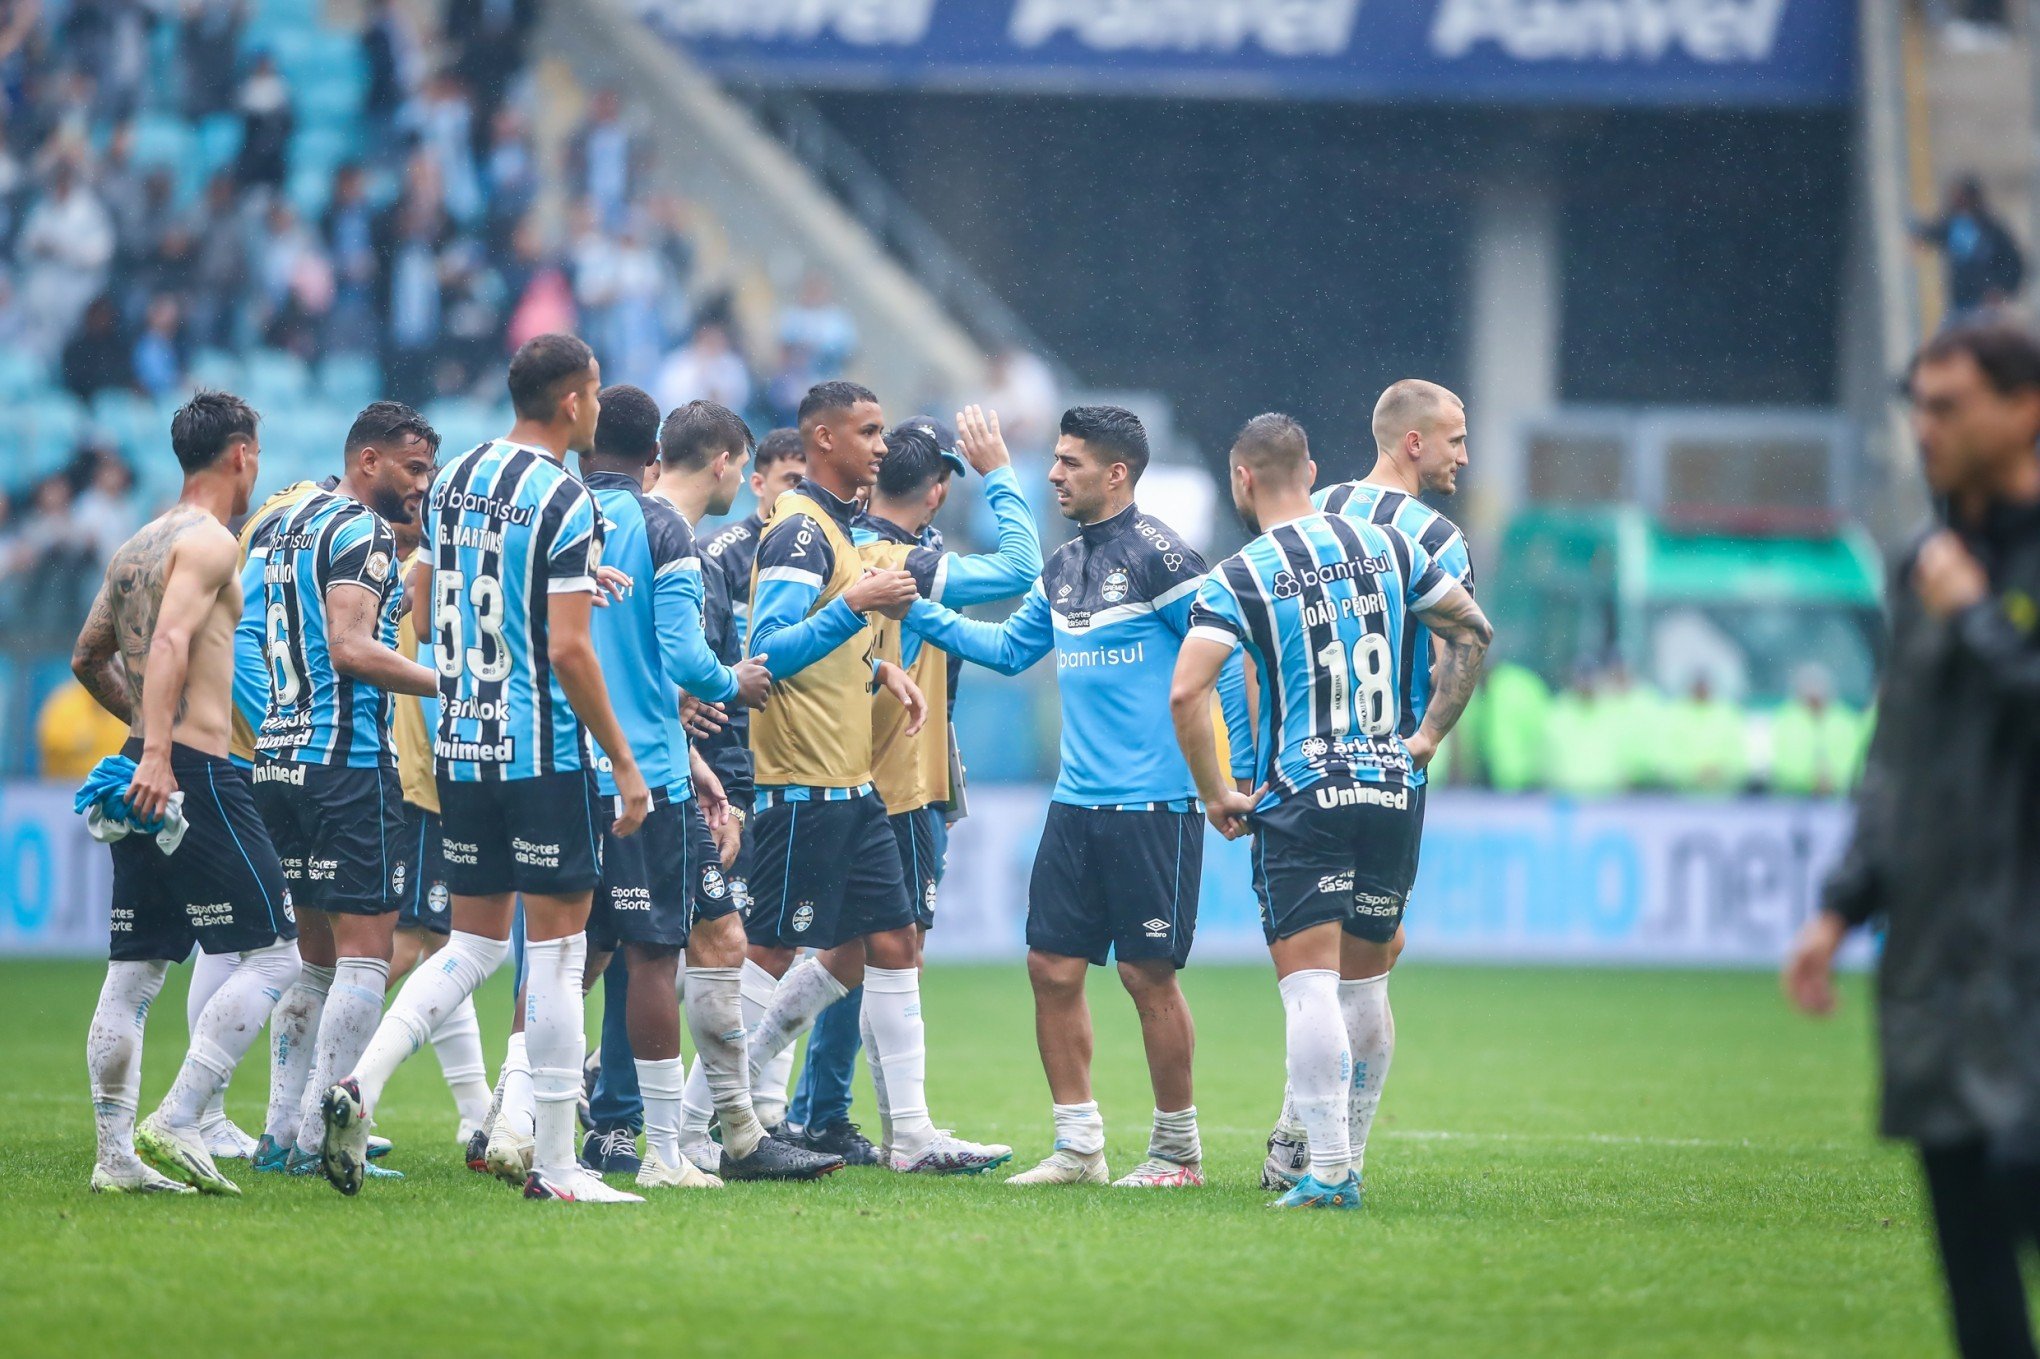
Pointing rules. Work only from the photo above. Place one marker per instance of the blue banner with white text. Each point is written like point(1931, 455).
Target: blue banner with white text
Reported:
point(1729, 53)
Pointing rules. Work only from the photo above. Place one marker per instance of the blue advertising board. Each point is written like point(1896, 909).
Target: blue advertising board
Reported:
point(1737, 53)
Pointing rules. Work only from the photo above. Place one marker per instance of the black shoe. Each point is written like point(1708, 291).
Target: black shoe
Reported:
point(610, 1152)
point(842, 1139)
point(773, 1159)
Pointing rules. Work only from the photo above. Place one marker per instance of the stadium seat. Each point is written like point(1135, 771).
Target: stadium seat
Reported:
point(55, 420)
point(215, 368)
point(273, 378)
point(350, 380)
point(21, 373)
point(128, 419)
point(463, 422)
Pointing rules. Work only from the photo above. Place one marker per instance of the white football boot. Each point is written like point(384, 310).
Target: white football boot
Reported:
point(1064, 1166)
point(656, 1174)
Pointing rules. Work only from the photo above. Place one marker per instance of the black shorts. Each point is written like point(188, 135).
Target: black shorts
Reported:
point(539, 835)
point(425, 903)
point(340, 834)
point(1352, 861)
point(923, 838)
point(1116, 883)
point(223, 889)
point(655, 883)
point(824, 872)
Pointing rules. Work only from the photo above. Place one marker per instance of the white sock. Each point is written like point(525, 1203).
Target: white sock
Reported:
point(435, 988)
point(660, 1084)
point(293, 1042)
point(113, 1056)
point(1174, 1137)
point(1320, 1065)
point(756, 988)
point(520, 1106)
point(555, 1038)
point(769, 1091)
point(208, 972)
point(897, 1052)
point(715, 1016)
point(229, 1025)
point(457, 1042)
point(1286, 1120)
point(1370, 1033)
point(804, 992)
point(877, 1081)
point(353, 1010)
point(1079, 1127)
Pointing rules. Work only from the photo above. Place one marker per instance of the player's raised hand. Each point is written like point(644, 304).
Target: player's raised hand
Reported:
point(890, 592)
point(901, 686)
point(754, 681)
point(1230, 812)
point(977, 429)
point(701, 718)
point(611, 583)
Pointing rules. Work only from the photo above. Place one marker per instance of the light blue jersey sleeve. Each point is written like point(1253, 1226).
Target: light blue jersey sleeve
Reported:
point(1007, 647)
point(1429, 577)
point(794, 561)
point(983, 577)
point(683, 643)
point(1232, 681)
point(251, 656)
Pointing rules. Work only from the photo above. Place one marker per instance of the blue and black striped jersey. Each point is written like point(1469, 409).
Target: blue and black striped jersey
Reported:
point(1320, 603)
point(316, 715)
point(508, 527)
point(1433, 532)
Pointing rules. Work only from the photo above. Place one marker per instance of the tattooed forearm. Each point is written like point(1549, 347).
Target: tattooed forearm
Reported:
point(95, 660)
point(1465, 632)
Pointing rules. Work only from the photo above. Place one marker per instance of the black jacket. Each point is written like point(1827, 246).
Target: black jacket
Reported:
point(1944, 850)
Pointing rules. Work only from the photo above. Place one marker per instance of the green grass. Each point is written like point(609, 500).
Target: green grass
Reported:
point(1571, 1163)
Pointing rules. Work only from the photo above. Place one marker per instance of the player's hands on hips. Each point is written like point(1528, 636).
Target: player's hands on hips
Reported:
point(1946, 577)
point(148, 795)
point(610, 583)
point(977, 429)
point(702, 718)
point(889, 592)
point(901, 686)
point(1421, 747)
point(1809, 976)
point(754, 681)
point(1230, 811)
point(634, 795)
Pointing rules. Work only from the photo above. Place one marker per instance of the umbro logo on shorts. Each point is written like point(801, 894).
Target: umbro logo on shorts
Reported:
point(1156, 928)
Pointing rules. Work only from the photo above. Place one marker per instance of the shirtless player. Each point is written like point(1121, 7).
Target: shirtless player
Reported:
point(157, 651)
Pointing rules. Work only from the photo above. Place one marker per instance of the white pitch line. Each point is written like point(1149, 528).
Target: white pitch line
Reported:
point(1580, 1139)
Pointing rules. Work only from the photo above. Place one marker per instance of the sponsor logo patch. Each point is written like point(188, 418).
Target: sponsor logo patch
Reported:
point(1173, 560)
point(1315, 748)
point(1156, 927)
point(1335, 882)
point(437, 898)
point(1115, 587)
point(1373, 903)
point(712, 884)
point(803, 916)
point(378, 567)
point(398, 876)
point(928, 896)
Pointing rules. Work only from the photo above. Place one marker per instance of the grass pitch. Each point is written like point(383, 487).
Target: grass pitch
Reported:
point(1569, 1163)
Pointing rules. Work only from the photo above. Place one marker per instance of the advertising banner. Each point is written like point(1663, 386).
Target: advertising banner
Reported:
point(1657, 881)
point(1594, 52)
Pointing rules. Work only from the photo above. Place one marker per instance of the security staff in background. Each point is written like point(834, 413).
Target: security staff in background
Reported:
point(1943, 851)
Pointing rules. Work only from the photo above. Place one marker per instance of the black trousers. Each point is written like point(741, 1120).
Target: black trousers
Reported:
point(1986, 1203)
